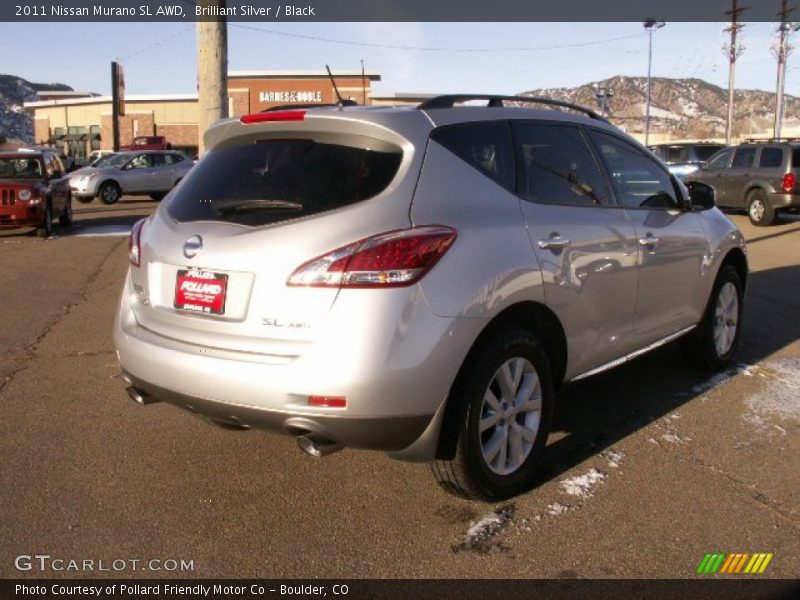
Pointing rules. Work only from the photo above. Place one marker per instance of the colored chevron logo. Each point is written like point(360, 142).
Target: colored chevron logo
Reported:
point(734, 564)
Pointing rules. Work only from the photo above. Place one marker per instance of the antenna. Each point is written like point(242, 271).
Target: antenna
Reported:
point(335, 89)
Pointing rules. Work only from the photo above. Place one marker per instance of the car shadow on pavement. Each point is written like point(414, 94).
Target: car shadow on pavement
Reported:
point(593, 414)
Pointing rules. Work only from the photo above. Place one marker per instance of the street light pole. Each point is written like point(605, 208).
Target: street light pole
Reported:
point(650, 25)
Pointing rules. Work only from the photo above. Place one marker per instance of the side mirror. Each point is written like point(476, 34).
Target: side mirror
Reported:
point(701, 196)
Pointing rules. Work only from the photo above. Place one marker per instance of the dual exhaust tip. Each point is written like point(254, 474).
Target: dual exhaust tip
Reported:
point(313, 444)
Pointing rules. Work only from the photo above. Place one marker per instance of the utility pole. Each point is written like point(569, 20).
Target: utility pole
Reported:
point(650, 25)
point(733, 50)
point(781, 52)
point(212, 65)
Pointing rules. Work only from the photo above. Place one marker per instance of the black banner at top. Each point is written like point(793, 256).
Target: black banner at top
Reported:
point(384, 10)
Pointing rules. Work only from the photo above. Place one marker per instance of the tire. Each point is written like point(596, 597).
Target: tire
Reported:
point(109, 193)
point(46, 230)
point(511, 359)
point(714, 341)
point(759, 209)
point(65, 220)
point(158, 197)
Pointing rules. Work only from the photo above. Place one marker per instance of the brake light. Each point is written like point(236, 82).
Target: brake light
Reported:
point(278, 115)
point(788, 182)
point(393, 259)
point(135, 243)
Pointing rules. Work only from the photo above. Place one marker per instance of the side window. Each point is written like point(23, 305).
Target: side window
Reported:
point(486, 146)
point(556, 166)
point(174, 158)
point(743, 158)
point(638, 181)
point(161, 160)
point(720, 160)
point(771, 157)
point(143, 161)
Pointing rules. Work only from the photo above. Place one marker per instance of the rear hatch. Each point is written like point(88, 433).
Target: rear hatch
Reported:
point(269, 196)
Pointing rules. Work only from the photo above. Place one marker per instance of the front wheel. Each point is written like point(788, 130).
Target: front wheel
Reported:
point(65, 220)
point(714, 341)
point(759, 209)
point(46, 229)
point(507, 402)
point(109, 193)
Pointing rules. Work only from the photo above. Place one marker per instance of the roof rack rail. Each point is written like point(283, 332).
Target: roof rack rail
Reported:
point(790, 140)
point(449, 100)
point(306, 106)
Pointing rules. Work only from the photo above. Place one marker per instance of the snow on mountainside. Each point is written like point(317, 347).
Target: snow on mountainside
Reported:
point(15, 123)
point(688, 108)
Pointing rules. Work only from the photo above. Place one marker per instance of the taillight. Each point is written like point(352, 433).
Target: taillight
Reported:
point(135, 243)
point(278, 115)
point(393, 259)
point(788, 182)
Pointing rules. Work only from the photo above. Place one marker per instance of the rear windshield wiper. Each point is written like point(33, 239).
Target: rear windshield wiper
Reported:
point(228, 208)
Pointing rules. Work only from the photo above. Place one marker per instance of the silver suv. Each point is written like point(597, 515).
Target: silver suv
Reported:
point(147, 172)
point(421, 280)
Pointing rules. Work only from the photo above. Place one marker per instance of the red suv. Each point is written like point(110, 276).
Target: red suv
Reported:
point(149, 142)
point(33, 190)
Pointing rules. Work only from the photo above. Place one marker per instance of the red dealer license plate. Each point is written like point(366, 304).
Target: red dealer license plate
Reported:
point(201, 291)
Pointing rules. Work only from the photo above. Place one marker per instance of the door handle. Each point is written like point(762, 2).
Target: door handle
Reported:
point(649, 241)
point(554, 242)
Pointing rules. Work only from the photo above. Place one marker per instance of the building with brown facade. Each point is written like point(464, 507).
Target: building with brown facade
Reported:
point(78, 122)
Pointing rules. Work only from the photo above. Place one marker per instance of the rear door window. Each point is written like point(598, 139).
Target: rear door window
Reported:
point(743, 158)
point(270, 181)
point(486, 145)
point(677, 154)
point(556, 166)
point(705, 152)
point(770, 157)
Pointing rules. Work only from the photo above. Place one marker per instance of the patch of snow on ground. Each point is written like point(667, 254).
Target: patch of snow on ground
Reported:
point(722, 377)
point(613, 457)
point(481, 533)
point(581, 485)
point(781, 398)
point(558, 508)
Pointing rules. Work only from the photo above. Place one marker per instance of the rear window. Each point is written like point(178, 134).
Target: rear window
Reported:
point(276, 180)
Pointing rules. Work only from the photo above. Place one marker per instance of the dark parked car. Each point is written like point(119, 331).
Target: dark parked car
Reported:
point(761, 178)
point(685, 157)
point(33, 191)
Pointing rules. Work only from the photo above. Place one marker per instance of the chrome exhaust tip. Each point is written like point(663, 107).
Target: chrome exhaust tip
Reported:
point(140, 397)
point(317, 446)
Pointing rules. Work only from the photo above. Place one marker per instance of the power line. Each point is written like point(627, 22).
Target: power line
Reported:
point(155, 44)
point(433, 48)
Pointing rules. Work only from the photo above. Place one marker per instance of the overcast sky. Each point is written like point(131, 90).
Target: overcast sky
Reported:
point(489, 57)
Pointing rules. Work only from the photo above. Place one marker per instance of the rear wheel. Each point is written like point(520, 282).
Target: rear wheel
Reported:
point(759, 209)
point(715, 340)
point(109, 193)
point(507, 397)
point(65, 220)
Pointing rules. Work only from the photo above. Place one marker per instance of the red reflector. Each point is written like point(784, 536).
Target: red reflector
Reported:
point(328, 401)
point(788, 182)
point(278, 115)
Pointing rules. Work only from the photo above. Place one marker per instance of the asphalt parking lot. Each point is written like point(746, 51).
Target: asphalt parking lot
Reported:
point(651, 466)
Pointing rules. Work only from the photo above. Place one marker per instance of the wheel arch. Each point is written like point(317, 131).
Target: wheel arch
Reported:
point(737, 259)
point(533, 316)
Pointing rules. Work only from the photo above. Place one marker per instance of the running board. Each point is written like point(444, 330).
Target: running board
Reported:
point(619, 361)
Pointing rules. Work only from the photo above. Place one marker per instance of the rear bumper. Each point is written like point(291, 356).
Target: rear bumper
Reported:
point(781, 200)
point(381, 433)
point(395, 378)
